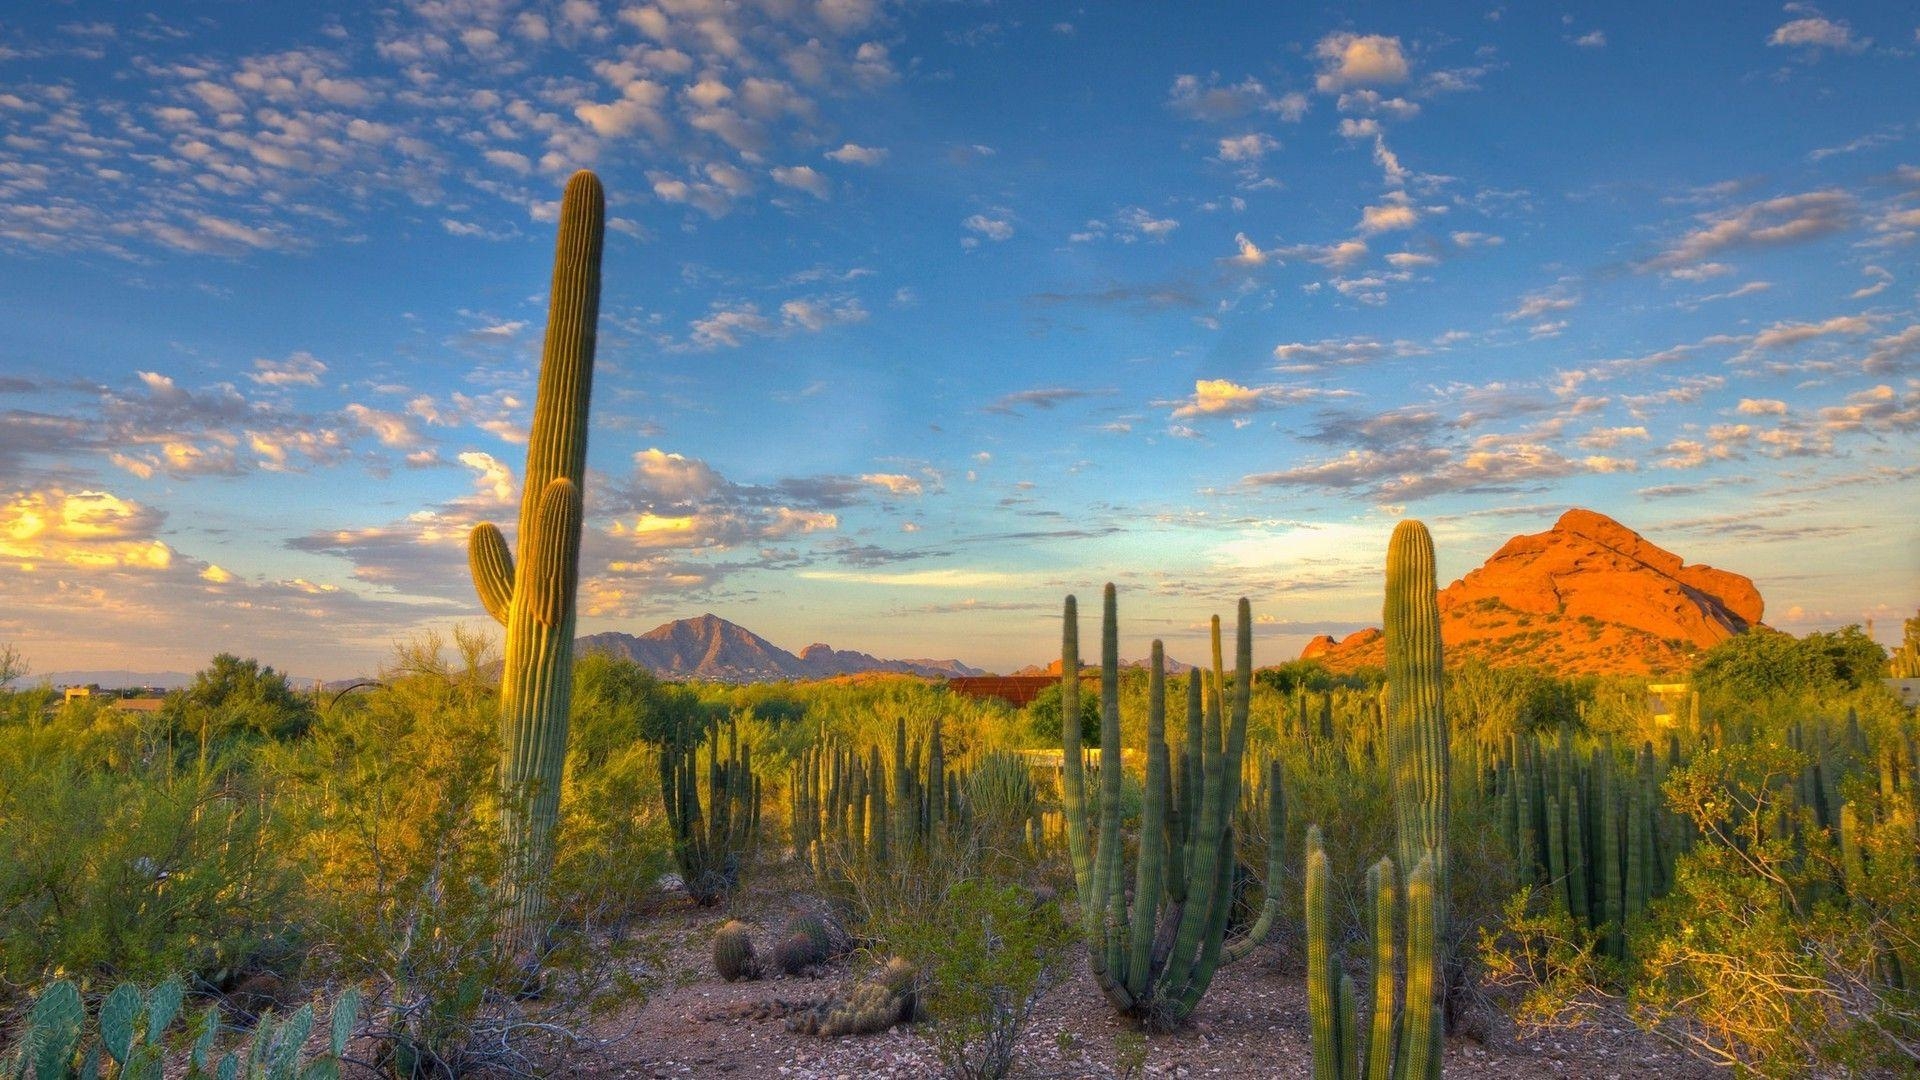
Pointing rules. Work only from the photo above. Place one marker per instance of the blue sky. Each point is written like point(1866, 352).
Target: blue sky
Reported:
point(917, 317)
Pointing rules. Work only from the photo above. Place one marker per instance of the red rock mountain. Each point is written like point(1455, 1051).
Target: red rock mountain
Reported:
point(1588, 596)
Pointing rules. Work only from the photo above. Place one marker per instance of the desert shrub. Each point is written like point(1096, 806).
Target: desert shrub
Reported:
point(1764, 663)
point(1756, 960)
point(233, 699)
point(395, 800)
point(984, 950)
point(122, 863)
point(1043, 717)
point(1542, 961)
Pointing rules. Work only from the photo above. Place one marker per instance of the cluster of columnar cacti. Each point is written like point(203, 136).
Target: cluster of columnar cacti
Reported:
point(1878, 838)
point(850, 808)
point(533, 595)
point(1338, 728)
point(130, 1039)
point(710, 839)
point(1405, 1037)
point(1591, 829)
point(1403, 1034)
point(1155, 958)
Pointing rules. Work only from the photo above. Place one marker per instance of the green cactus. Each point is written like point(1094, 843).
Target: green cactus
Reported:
point(797, 952)
point(733, 954)
point(888, 998)
point(1323, 960)
point(1379, 1055)
point(709, 844)
point(1422, 1023)
point(533, 595)
point(1416, 720)
point(1612, 895)
point(1156, 960)
point(55, 1043)
point(1000, 796)
point(1419, 762)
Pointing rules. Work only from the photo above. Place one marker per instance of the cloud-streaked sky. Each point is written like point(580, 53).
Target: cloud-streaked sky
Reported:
point(917, 317)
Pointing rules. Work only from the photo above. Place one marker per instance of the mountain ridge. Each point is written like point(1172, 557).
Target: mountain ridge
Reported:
point(711, 648)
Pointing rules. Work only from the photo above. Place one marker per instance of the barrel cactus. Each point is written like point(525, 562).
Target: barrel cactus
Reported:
point(733, 954)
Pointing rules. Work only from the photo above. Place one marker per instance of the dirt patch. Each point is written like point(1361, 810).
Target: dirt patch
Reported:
point(1252, 1023)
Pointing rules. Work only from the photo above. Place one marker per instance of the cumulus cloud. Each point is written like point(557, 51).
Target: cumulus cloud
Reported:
point(804, 178)
point(1249, 147)
point(1216, 398)
point(1387, 217)
point(1818, 33)
point(1348, 59)
point(855, 154)
point(995, 228)
point(894, 483)
point(88, 529)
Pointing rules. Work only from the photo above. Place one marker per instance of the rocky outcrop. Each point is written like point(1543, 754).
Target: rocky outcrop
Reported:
point(1588, 596)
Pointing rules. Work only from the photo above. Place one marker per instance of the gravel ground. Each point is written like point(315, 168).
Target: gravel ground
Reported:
point(1252, 1023)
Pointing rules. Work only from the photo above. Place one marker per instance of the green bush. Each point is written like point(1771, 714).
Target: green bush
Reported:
point(984, 951)
point(120, 862)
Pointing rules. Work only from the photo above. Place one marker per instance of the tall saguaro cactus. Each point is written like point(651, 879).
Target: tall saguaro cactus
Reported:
point(533, 595)
point(1417, 756)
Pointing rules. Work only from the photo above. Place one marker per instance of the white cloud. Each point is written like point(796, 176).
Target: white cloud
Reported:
point(993, 228)
point(299, 369)
point(1215, 398)
point(1387, 217)
point(1818, 33)
point(855, 154)
point(804, 178)
point(1789, 219)
point(1348, 59)
point(1249, 147)
point(1211, 99)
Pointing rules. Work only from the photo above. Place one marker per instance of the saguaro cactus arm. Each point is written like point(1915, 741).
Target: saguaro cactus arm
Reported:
point(492, 566)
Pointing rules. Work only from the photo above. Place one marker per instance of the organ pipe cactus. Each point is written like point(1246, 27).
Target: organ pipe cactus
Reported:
point(533, 595)
point(1155, 960)
point(709, 843)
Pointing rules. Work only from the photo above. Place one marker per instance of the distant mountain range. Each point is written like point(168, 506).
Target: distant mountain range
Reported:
point(708, 648)
point(117, 679)
point(716, 650)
